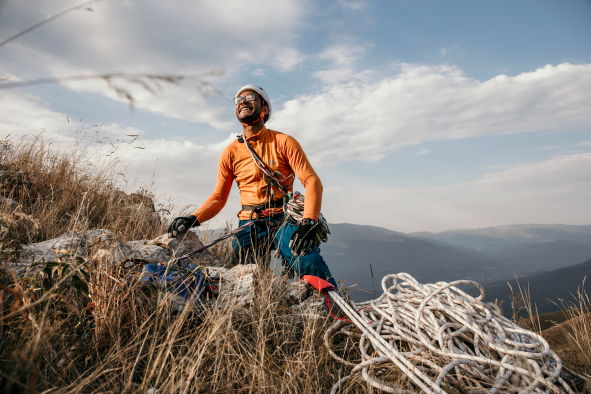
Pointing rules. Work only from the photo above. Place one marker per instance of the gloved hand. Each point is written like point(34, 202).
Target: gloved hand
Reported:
point(182, 224)
point(305, 237)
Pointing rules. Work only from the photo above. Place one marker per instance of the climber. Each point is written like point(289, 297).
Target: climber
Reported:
point(263, 162)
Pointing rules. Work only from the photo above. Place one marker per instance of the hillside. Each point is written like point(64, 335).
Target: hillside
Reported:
point(545, 289)
point(529, 258)
point(525, 248)
point(351, 250)
point(491, 239)
point(86, 323)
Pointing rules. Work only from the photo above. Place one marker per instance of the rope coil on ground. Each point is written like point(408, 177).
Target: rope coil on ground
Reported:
point(452, 338)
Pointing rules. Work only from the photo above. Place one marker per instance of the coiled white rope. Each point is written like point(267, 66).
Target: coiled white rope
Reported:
point(294, 210)
point(449, 339)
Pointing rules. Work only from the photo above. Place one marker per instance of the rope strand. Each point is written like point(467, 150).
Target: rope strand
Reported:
point(450, 337)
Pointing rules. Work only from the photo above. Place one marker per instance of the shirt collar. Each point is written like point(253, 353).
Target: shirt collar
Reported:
point(260, 135)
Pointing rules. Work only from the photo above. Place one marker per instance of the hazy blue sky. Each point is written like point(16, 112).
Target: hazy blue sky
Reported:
point(417, 115)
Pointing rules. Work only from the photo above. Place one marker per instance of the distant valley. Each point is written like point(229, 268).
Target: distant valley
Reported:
point(490, 255)
point(549, 291)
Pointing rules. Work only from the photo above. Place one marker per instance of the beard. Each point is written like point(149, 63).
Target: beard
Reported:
point(252, 118)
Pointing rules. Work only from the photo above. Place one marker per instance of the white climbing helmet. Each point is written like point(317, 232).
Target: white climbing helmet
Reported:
point(262, 92)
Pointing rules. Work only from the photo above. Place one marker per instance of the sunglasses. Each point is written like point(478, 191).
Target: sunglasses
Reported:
point(248, 97)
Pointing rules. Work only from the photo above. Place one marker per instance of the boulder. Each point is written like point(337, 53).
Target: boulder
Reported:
point(163, 249)
point(182, 244)
point(237, 285)
point(313, 307)
point(74, 244)
point(141, 210)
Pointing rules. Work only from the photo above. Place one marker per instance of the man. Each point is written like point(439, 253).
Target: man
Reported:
point(263, 163)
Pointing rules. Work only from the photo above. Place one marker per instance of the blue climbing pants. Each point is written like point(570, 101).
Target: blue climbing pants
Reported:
point(254, 244)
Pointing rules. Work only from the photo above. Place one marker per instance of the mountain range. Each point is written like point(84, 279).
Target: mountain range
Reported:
point(548, 291)
point(362, 255)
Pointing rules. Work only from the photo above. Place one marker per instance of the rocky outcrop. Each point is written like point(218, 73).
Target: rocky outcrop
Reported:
point(139, 204)
point(101, 246)
point(71, 245)
point(235, 285)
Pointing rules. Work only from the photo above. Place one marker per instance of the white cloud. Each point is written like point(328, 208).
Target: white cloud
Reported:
point(422, 152)
point(366, 121)
point(341, 60)
point(181, 37)
point(585, 143)
point(288, 58)
point(557, 190)
point(354, 5)
point(23, 115)
point(180, 170)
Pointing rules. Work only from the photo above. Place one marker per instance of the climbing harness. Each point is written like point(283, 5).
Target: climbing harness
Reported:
point(263, 210)
point(439, 336)
point(270, 177)
point(293, 203)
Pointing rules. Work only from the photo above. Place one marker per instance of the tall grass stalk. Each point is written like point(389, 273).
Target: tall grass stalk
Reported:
point(89, 326)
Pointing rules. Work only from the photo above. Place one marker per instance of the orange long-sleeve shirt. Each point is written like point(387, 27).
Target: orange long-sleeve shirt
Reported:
point(281, 153)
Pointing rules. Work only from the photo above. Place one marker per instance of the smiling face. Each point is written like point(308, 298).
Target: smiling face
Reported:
point(249, 111)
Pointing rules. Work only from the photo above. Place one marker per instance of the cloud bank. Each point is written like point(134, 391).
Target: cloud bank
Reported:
point(557, 190)
point(207, 41)
point(366, 121)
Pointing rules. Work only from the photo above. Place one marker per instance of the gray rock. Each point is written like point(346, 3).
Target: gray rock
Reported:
point(144, 211)
point(237, 285)
point(100, 245)
point(182, 244)
point(297, 291)
point(312, 307)
point(75, 244)
point(215, 273)
point(158, 250)
point(141, 251)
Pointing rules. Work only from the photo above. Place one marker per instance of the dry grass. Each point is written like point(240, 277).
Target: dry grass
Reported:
point(82, 326)
point(60, 192)
point(132, 340)
point(572, 338)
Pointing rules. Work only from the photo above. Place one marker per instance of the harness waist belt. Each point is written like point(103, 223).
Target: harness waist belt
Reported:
point(258, 207)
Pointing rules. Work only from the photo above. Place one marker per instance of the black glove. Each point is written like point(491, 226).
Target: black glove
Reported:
point(305, 238)
point(182, 224)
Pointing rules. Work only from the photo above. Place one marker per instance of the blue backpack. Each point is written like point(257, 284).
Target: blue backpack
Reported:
point(187, 281)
